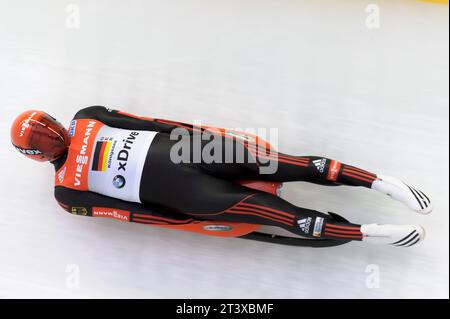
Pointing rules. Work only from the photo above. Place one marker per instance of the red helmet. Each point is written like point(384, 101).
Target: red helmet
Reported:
point(39, 136)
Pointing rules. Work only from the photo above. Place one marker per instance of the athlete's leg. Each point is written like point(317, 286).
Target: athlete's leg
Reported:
point(210, 198)
point(188, 189)
point(314, 169)
point(207, 197)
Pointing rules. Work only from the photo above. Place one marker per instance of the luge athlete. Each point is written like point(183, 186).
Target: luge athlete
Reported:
point(114, 164)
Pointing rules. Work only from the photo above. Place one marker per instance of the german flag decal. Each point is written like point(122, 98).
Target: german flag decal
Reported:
point(101, 152)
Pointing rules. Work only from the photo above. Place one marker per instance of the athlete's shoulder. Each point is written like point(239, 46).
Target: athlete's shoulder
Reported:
point(61, 197)
point(91, 112)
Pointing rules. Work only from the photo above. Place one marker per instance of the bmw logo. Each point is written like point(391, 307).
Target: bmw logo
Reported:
point(119, 181)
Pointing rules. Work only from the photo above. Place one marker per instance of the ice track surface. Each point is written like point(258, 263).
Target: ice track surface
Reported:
point(375, 98)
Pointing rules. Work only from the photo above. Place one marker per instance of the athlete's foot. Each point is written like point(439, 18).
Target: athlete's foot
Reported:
point(410, 196)
point(397, 235)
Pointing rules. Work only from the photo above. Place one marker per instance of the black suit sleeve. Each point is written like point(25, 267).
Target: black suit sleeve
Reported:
point(128, 121)
point(85, 203)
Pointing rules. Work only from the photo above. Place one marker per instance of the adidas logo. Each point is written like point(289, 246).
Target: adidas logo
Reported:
point(320, 164)
point(304, 224)
point(62, 174)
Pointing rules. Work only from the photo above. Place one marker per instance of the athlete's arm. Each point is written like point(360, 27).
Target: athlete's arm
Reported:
point(129, 121)
point(97, 205)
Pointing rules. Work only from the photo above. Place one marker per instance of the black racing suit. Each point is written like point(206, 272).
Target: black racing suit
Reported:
point(174, 193)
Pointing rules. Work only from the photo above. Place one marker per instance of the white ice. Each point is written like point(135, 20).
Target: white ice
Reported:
point(376, 98)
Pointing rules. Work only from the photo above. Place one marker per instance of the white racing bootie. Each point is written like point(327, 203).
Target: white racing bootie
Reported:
point(410, 196)
point(396, 235)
